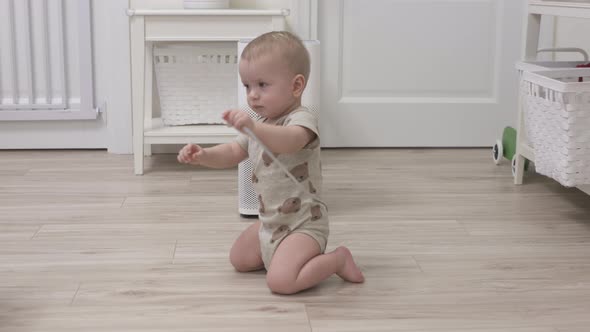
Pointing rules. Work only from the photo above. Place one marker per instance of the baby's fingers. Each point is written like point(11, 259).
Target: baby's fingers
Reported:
point(240, 123)
point(228, 116)
point(184, 154)
point(181, 159)
point(225, 115)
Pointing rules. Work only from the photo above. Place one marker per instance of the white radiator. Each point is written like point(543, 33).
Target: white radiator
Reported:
point(46, 60)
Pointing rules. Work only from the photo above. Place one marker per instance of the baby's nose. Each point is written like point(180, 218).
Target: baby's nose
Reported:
point(253, 94)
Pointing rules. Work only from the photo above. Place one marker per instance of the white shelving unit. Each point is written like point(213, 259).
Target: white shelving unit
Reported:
point(537, 8)
point(152, 26)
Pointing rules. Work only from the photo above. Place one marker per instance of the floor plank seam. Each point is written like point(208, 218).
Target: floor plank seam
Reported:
point(75, 294)
point(174, 252)
point(417, 264)
point(309, 320)
point(37, 232)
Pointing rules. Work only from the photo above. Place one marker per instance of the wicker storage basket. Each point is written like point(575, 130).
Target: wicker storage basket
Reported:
point(557, 122)
point(196, 82)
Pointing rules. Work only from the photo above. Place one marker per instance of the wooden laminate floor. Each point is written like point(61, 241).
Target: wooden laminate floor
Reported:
point(446, 241)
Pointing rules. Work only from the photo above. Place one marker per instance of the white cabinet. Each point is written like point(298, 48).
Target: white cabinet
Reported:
point(537, 8)
point(152, 26)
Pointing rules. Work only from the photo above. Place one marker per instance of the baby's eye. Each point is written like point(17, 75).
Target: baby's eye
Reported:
point(246, 86)
point(262, 84)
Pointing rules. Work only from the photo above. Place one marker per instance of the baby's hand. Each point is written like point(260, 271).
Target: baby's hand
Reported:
point(238, 119)
point(191, 154)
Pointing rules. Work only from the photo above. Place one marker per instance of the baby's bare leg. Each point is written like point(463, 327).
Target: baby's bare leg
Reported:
point(245, 254)
point(297, 265)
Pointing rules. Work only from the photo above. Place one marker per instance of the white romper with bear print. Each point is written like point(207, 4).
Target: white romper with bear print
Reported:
point(284, 207)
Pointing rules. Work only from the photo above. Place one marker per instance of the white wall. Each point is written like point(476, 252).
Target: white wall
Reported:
point(112, 71)
point(564, 32)
point(572, 32)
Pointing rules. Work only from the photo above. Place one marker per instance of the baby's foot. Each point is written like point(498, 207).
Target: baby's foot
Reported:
point(350, 271)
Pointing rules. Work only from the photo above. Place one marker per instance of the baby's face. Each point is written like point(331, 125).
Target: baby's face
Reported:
point(269, 86)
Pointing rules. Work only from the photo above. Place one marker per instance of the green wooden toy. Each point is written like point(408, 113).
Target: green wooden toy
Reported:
point(505, 148)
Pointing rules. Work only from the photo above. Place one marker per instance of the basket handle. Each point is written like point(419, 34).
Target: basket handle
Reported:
point(565, 50)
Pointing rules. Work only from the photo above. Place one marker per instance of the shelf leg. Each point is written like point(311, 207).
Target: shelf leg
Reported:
point(137, 42)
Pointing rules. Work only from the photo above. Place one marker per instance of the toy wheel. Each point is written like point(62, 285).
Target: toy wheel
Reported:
point(514, 166)
point(498, 152)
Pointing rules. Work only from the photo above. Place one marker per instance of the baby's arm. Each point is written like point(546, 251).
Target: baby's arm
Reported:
point(279, 139)
point(225, 155)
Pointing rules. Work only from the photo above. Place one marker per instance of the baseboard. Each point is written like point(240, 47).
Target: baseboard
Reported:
point(53, 135)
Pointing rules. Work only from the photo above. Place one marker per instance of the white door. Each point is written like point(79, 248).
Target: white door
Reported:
point(418, 72)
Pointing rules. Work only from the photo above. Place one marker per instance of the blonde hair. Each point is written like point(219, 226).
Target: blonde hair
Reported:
point(289, 46)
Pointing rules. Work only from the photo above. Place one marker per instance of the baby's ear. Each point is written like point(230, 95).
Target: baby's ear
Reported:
point(298, 85)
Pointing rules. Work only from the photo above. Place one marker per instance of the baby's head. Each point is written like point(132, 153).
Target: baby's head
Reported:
point(274, 69)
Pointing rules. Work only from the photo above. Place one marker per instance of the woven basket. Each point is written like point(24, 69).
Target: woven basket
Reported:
point(557, 123)
point(196, 83)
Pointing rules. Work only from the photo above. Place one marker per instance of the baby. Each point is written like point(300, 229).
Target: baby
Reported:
point(290, 238)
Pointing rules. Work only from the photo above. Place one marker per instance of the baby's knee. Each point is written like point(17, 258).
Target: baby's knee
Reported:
point(238, 265)
point(245, 261)
point(281, 284)
point(239, 261)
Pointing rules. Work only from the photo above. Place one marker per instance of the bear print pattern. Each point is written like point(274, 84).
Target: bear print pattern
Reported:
point(316, 213)
point(266, 159)
point(300, 172)
point(279, 233)
point(261, 210)
point(254, 178)
point(311, 188)
point(291, 205)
